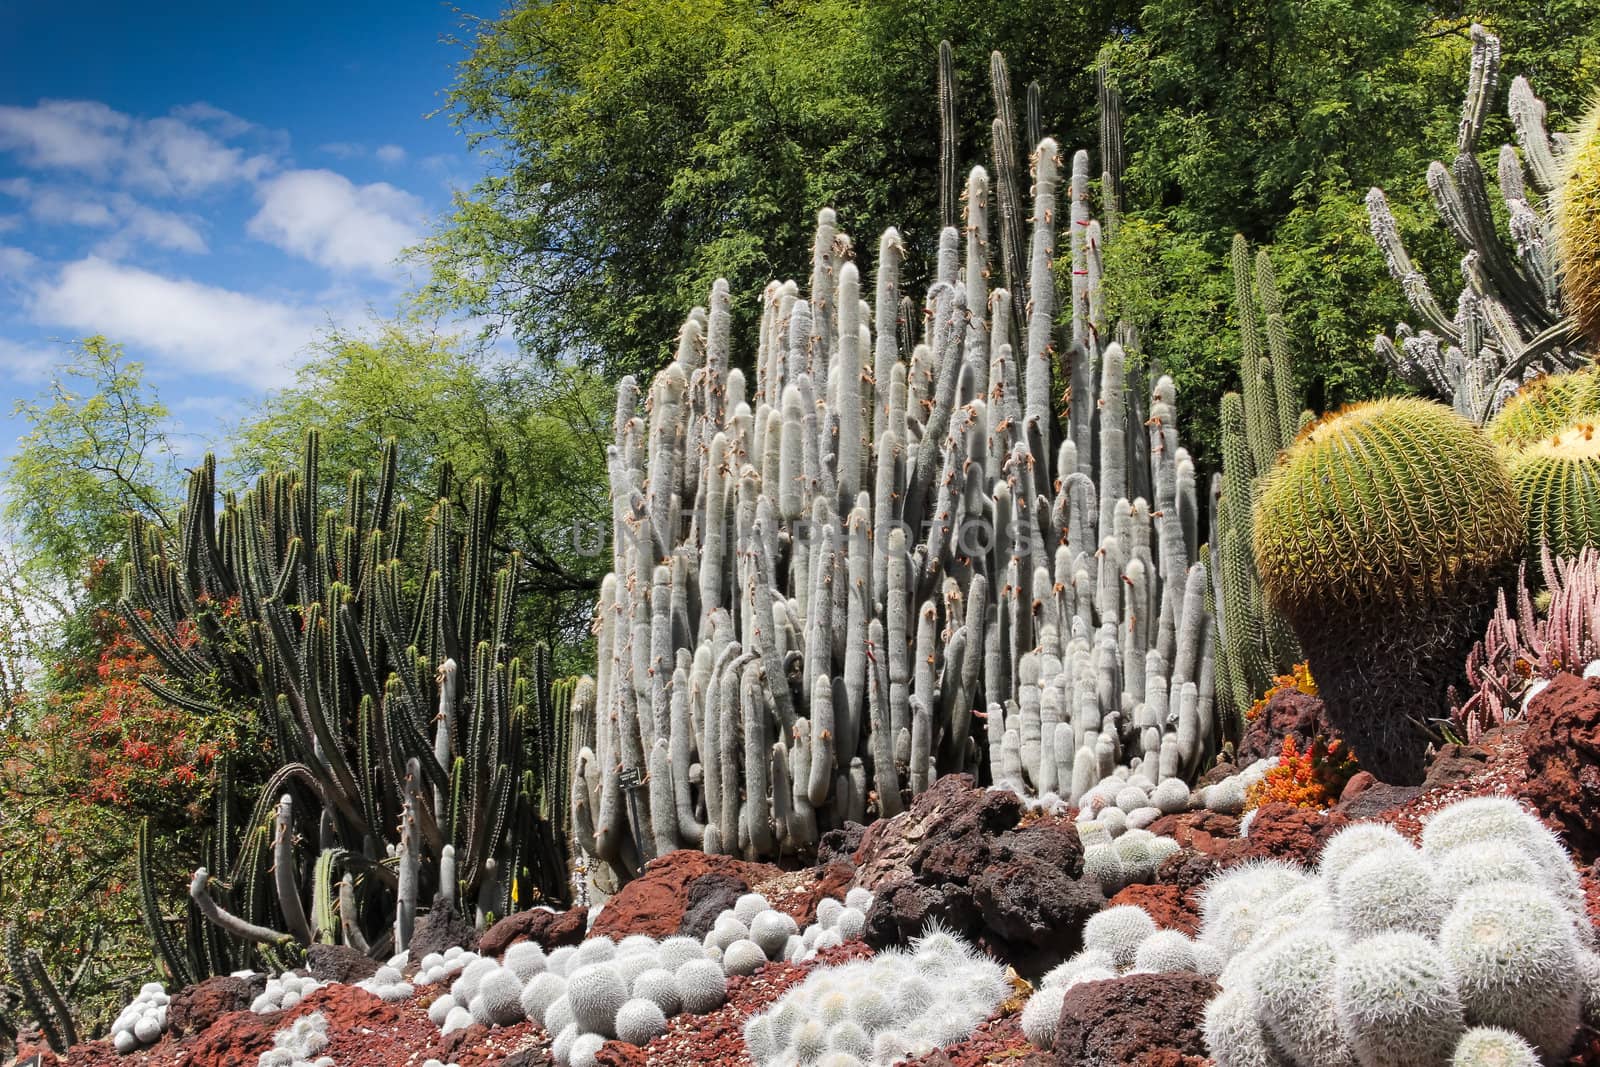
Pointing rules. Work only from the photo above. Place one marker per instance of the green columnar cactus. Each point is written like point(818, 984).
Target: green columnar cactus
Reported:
point(1378, 536)
point(353, 636)
point(1558, 482)
point(1577, 226)
point(39, 993)
point(1256, 644)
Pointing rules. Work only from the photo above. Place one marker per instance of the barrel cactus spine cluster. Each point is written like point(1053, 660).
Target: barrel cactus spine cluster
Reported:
point(827, 577)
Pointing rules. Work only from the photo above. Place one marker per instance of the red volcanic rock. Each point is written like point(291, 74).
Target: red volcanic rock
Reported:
point(1168, 905)
point(1288, 713)
point(1282, 831)
point(363, 1031)
point(997, 1041)
point(1203, 830)
point(655, 902)
point(1143, 1020)
point(193, 1009)
point(551, 929)
point(1562, 742)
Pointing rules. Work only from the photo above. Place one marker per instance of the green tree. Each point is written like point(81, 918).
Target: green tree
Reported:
point(96, 449)
point(541, 431)
point(641, 149)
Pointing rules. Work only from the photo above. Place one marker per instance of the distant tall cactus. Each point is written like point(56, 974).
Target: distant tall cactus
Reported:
point(1577, 227)
point(1256, 645)
point(1508, 322)
point(39, 993)
point(853, 572)
point(384, 675)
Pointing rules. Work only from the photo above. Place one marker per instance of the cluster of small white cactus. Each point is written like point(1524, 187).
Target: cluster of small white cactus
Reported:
point(143, 1021)
point(896, 1005)
point(388, 984)
point(1116, 942)
point(284, 992)
point(1472, 950)
point(294, 1045)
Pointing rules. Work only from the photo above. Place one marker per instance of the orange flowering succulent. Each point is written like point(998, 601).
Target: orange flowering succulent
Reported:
point(1298, 680)
point(1313, 778)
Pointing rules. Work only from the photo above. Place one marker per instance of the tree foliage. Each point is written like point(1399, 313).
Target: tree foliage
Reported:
point(642, 149)
point(538, 431)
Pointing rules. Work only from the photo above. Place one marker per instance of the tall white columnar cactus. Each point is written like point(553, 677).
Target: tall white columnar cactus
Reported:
point(855, 571)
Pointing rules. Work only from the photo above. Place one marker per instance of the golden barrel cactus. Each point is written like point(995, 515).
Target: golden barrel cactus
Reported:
point(1380, 536)
point(1558, 481)
point(1577, 225)
point(1545, 406)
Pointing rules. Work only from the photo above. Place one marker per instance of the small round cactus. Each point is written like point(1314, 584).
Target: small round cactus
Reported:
point(1388, 890)
point(542, 991)
point(558, 1016)
point(639, 1021)
point(584, 1050)
point(772, 930)
point(849, 1037)
point(1293, 981)
point(439, 1010)
point(1398, 1001)
point(1041, 1015)
point(658, 985)
point(1235, 1035)
point(501, 994)
point(1118, 932)
point(595, 993)
point(748, 906)
point(525, 959)
point(1351, 843)
point(1515, 956)
point(1490, 1046)
point(1165, 950)
point(743, 957)
point(595, 950)
point(674, 952)
point(702, 986)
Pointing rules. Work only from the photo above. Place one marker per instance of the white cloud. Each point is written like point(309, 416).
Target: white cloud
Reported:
point(15, 262)
point(53, 205)
point(326, 218)
point(390, 153)
point(28, 362)
point(175, 155)
point(195, 327)
point(162, 229)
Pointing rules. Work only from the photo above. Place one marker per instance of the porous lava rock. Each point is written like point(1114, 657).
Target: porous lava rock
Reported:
point(551, 929)
point(655, 902)
point(339, 963)
point(439, 929)
point(1283, 831)
point(1170, 906)
point(1562, 743)
point(1202, 830)
point(1290, 713)
point(1141, 1020)
point(193, 1009)
point(964, 857)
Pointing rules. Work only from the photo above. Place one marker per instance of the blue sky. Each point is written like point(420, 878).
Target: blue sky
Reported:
point(213, 184)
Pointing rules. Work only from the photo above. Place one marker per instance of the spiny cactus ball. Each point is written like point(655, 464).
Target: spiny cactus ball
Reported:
point(1388, 890)
point(702, 986)
point(1118, 932)
point(1351, 843)
point(1516, 958)
point(501, 995)
point(1041, 1015)
point(596, 993)
point(1490, 1046)
point(542, 991)
point(1397, 1001)
point(660, 986)
point(1558, 482)
point(743, 957)
point(1545, 406)
point(1165, 950)
point(1577, 225)
point(1295, 994)
point(1377, 536)
point(639, 1021)
point(525, 959)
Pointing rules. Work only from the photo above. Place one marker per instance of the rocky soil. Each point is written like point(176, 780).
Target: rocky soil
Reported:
point(979, 861)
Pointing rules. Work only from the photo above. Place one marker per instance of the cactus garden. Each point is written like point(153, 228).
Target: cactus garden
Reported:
point(985, 619)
